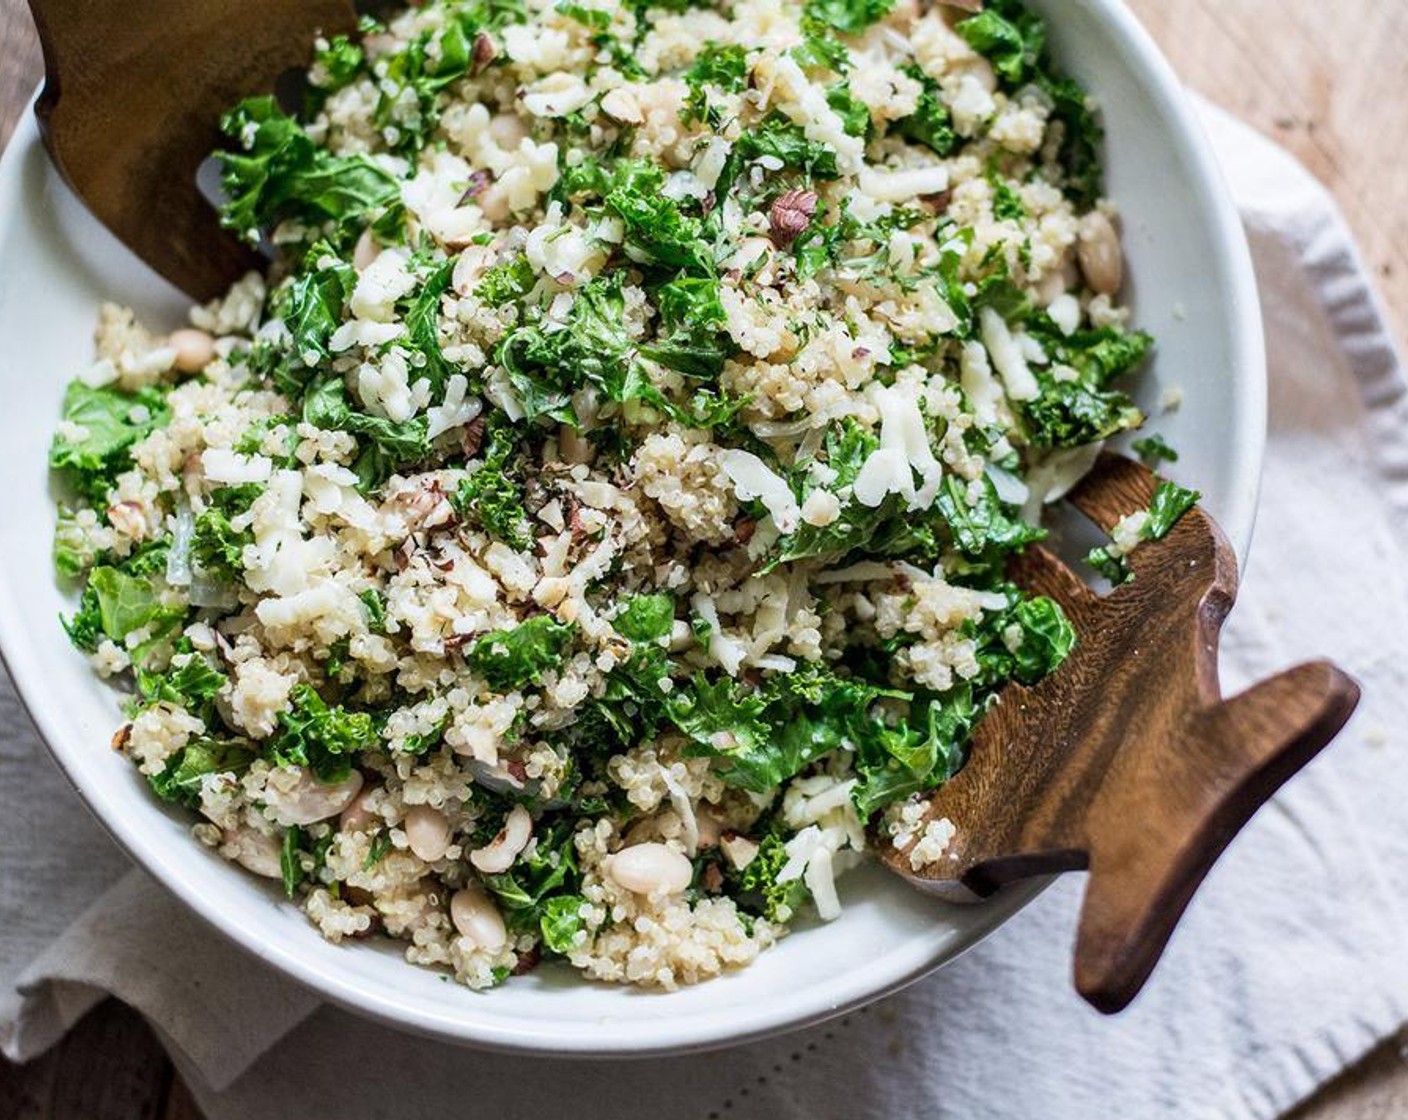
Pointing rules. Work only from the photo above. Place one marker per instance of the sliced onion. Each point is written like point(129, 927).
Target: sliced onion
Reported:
point(178, 556)
point(209, 592)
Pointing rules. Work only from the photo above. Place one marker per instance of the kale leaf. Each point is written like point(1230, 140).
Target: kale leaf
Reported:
point(181, 778)
point(193, 685)
point(518, 656)
point(847, 16)
point(723, 67)
point(1169, 503)
point(111, 421)
point(506, 282)
point(275, 172)
point(1153, 450)
point(387, 445)
point(217, 547)
point(491, 496)
point(759, 892)
point(691, 338)
point(930, 124)
point(320, 736)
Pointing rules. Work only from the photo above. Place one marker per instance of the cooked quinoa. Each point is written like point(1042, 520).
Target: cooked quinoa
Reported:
point(597, 519)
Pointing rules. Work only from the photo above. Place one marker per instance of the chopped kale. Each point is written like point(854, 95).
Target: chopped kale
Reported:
point(490, 496)
point(850, 17)
point(759, 891)
point(506, 282)
point(323, 737)
point(183, 775)
point(692, 339)
point(1170, 502)
point(722, 67)
point(930, 124)
point(518, 657)
point(275, 171)
point(387, 446)
point(1154, 450)
point(100, 426)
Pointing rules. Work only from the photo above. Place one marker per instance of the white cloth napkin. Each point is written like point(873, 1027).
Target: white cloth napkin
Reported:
point(1288, 966)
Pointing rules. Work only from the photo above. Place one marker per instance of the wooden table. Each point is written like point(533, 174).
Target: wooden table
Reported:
point(1324, 80)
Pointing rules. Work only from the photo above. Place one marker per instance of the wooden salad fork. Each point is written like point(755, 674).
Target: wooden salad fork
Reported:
point(1126, 760)
point(132, 99)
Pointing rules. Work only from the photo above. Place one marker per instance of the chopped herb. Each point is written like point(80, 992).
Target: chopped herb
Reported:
point(323, 737)
point(518, 656)
point(848, 16)
point(1153, 450)
point(100, 426)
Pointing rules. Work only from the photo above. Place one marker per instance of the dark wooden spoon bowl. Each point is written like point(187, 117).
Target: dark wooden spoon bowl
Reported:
point(1126, 760)
point(132, 99)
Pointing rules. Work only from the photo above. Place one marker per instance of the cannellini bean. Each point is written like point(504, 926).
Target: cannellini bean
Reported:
point(358, 816)
point(498, 855)
point(367, 250)
point(1101, 258)
point(575, 447)
point(194, 349)
point(252, 850)
point(311, 800)
point(427, 832)
point(476, 917)
point(651, 869)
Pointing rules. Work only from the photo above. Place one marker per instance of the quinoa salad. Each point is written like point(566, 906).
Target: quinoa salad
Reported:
point(590, 535)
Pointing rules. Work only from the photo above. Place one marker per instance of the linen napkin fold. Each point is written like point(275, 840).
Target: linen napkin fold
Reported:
point(1287, 967)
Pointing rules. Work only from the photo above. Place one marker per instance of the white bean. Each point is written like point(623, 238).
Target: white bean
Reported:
point(427, 832)
point(651, 869)
point(311, 800)
point(252, 850)
point(367, 250)
point(498, 855)
point(476, 917)
point(981, 69)
point(1101, 258)
point(358, 816)
point(194, 349)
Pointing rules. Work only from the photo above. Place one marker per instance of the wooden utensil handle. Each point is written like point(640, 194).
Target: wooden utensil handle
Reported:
point(1152, 844)
point(1126, 761)
point(132, 98)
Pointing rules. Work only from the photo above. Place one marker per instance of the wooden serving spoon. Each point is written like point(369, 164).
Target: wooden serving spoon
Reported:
point(133, 94)
point(1126, 760)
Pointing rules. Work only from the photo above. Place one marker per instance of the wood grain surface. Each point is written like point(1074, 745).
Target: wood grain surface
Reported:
point(1325, 80)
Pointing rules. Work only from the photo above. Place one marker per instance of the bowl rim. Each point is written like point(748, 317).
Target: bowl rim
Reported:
point(856, 986)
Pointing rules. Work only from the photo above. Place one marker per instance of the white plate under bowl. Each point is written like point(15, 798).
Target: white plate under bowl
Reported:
point(1190, 283)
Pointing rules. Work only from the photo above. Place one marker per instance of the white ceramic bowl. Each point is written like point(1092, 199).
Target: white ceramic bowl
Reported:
point(1190, 283)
